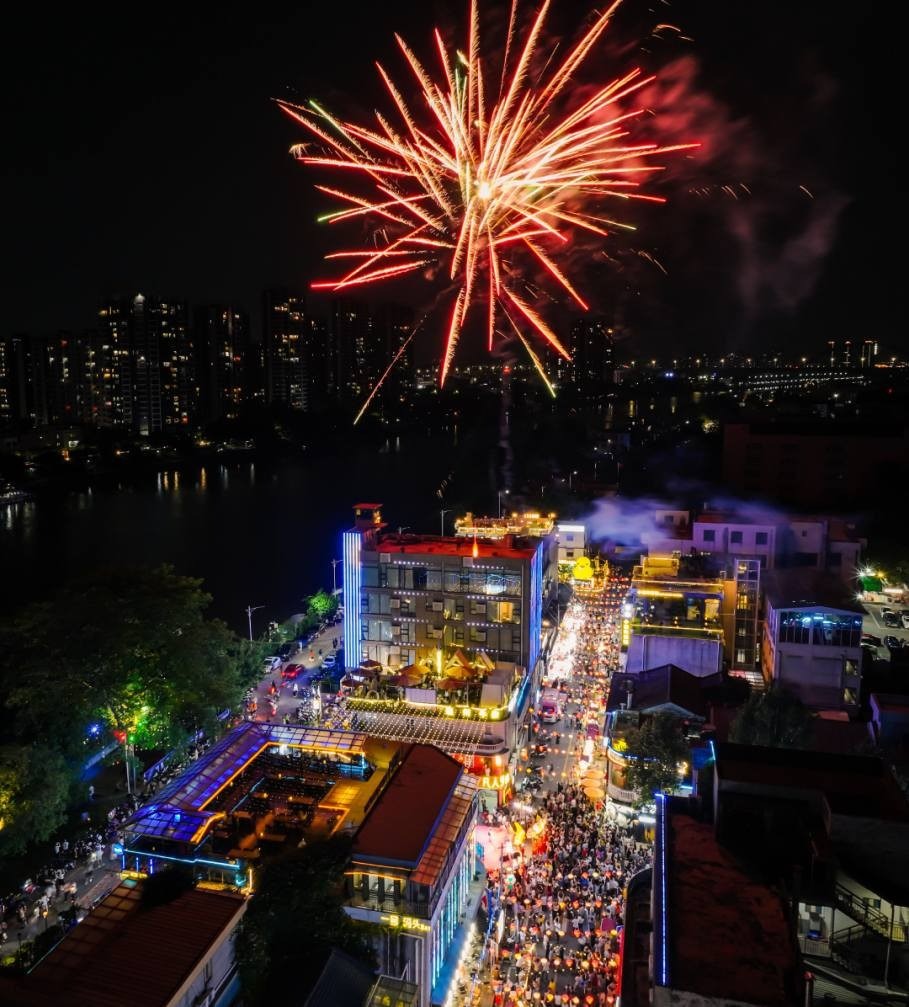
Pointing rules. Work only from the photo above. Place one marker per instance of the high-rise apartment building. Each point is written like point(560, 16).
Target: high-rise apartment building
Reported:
point(297, 354)
point(591, 348)
point(221, 336)
point(869, 353)
point(147, 364)
point(356, 361)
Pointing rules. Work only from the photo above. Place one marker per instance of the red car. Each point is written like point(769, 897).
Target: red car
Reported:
point(291, 671)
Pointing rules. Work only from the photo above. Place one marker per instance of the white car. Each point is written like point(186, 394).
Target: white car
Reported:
point(328, 661)
point(904, 618)
point(272, 663)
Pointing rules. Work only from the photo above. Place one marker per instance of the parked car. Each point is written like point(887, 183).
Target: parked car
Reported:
point(286, 649)
point(291, 671)
point(891, 620)
point(328, 661)
point(272, 663)
point(905, 620)
point(874, 641)
point(893, 642)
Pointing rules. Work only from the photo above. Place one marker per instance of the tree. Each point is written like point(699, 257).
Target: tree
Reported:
point(774, 718)
point(323, 605)
point(658, 748)
point(297, 905)
point(129, 648)
point(34, 788)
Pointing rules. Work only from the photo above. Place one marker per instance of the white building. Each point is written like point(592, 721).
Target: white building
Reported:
point(572, 542)
point(812, 639)
point(817, 543)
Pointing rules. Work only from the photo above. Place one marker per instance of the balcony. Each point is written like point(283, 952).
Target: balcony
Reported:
point(701, 630)
point(388, 904)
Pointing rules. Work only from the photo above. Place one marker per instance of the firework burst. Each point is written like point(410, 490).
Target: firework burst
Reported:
point(490, 179)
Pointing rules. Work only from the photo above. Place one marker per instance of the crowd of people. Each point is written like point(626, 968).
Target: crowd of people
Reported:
point(561, 895)
point(61, 885)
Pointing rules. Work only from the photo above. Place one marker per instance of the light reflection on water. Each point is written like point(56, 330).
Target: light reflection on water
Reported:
point(264, 530)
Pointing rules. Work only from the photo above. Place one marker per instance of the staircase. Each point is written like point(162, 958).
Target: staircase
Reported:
point(869, 918)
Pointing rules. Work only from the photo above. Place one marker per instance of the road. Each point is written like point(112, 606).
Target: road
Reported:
point(311, 659)
point(874, 625)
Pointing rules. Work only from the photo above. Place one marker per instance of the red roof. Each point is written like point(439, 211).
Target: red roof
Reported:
point(123, 953)
point(729, 934)
point(435, 545)
point(404, 818)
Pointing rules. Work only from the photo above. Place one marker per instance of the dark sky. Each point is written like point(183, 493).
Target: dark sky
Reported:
point(142, 153)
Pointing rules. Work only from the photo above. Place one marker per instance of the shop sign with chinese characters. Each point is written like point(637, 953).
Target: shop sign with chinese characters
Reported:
point(404, 923)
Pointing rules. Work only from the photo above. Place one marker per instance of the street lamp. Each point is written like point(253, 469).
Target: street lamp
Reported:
point(249, 611)
point(334, 579)
point(570, 476)
point(506, 492)
point(443, 512)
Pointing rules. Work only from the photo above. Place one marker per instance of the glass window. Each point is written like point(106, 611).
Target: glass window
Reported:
point(433, 579)
point(710, 535)
point(760, 538)
point(452, 580)
point(735, 537)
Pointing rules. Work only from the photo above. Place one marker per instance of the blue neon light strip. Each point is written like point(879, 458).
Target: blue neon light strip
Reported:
point(536, 607)
point(662, 976)
point(351, 545)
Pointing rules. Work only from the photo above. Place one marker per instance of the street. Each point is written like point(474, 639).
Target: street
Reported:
point(556, 866)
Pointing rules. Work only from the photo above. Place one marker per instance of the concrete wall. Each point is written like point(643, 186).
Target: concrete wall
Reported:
point(696, 655)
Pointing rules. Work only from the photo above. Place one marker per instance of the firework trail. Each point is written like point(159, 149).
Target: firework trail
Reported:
point(492, 180)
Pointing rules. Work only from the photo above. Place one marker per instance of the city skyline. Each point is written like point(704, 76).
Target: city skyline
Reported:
point(219, 211)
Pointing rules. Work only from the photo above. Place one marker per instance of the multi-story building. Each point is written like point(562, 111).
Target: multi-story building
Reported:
point(814, 465)
point(146, 364)
point(284, 333)
point(412, 873)
point(450, 626)
point(572, 542)
point(183, 946)
point(832, 831)
point(357, 357)
point(634, 699)
point(811, 642)
point(591, 346)
point(776, 540)
point(409, 598)
point(676, 612)
point(222, 352)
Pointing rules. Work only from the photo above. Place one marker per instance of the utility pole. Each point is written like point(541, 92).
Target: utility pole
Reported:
point(249, 611)
point(443, 512)
point(334, 579)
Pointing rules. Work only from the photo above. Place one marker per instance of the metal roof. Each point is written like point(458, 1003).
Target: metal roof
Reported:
point(178, 811)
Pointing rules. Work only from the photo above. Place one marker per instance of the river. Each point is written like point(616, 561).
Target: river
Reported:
point(257, 533)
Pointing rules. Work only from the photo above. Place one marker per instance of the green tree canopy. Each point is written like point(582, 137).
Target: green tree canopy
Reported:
point(293, 920)
point(129, 648)
point(323, 604)
point(659, 747)
point(34, 788)
point(774, 718)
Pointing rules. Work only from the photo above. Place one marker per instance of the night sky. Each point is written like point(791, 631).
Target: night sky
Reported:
point(143, 153)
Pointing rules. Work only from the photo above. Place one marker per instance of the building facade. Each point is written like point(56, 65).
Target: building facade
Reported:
point(223, 366)
point(811, 644)
point(410, 599)
point(147, 365)
point(413, 866)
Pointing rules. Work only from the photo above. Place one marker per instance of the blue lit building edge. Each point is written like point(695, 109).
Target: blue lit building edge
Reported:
point(660, 900)
point(351, 544)
point(536, 607)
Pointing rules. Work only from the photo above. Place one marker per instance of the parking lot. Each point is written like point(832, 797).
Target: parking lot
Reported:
point(874, 624)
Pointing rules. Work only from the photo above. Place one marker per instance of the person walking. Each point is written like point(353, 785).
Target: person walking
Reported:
point(91, 792)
